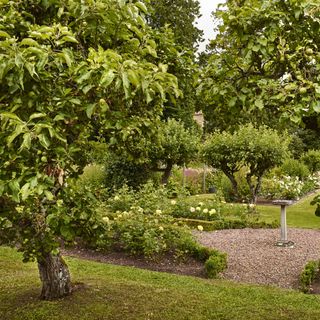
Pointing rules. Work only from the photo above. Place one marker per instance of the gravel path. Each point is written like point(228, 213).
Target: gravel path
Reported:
point(254, 258)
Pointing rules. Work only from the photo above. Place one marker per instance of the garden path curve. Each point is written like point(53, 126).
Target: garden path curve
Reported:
point(254, 258)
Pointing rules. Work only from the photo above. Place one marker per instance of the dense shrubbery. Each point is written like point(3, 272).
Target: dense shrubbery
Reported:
point(295, 168)
point(312, 160)
point(137, 222)
point(120, 171)
point(287, 187)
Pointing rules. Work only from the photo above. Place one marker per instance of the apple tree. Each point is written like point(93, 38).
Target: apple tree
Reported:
point(69, 71)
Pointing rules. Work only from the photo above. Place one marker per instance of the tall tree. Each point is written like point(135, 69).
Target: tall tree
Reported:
point(265, 62)
point(181, 16)
point(65, 66)
point(177, 20)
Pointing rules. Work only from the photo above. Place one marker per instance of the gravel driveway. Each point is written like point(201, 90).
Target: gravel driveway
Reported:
point(254, 258)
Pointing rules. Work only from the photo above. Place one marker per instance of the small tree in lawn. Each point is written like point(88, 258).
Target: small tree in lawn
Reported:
point(64, 67)
point(256, 149)
point(177, 146)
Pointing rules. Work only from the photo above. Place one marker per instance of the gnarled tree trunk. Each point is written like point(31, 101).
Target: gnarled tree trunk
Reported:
point(166, 173)
point(55, 277)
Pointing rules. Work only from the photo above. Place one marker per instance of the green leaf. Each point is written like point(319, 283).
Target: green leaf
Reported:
point(316, 106)
point(46, 29)
point(29, 42)
point(25, 191)
point(59, 117)
point(90, 109)
point(75, 101)
point(48, 195)
point(126, 85)
point(10, 115)
point(14, 186)
point(107, 78)
point(133, 77)
point(44, 140)
point(84, 76)
point(151, 51)
point(68, 39)
point(26, 144)
point(259, 104)
point(35, 50)
point(36, 116)
point(18, 130)
point(142, 7)
point(3, 34)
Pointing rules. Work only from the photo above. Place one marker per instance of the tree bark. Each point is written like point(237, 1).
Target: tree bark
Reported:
point(167, 173)
point(55, 277)
point(233, 182)
point(254, 189)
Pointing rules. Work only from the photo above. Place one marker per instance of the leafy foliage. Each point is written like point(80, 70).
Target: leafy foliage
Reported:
point(308, 275)
point(178, 146)
point(295, 168)
point(215, 264)
point(258, 150)
point(181, 16)
point(69, 71)
point(312, 159)
point(264, 63)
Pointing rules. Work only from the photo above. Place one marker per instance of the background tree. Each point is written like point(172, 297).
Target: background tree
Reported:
point(264, 64)
point(177, 21)
point(256, 150)
point(177, 146)
point(181, 16)
point(64, 67)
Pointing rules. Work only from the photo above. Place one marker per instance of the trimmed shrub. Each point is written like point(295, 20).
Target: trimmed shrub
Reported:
point(216, 263)
point(308, 275)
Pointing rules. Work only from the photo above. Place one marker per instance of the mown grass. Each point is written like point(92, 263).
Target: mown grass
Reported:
point(114, 292)
point(299, 215)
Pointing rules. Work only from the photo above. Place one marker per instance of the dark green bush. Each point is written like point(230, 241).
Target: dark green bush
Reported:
point(295, 168)
point(216, 263)
point(121, 171)
point(308, 275)
point(312, 160)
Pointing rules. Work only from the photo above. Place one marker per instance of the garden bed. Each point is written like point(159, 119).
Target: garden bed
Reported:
point(252, 256)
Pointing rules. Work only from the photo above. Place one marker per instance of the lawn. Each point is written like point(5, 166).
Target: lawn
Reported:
point(299, 215)
point(114, 292)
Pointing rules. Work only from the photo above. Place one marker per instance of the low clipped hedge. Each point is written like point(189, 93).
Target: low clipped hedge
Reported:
point(227, 224)
point(310, 272)
point(214, 260)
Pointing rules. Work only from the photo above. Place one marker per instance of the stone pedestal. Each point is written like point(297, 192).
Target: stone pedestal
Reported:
point(283, 242)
